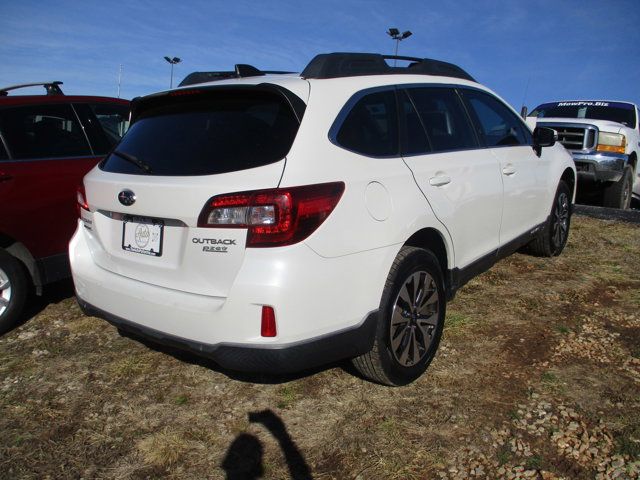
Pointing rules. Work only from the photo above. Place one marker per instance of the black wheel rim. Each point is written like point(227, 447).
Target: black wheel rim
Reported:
point(560, 223)
point(414, 319)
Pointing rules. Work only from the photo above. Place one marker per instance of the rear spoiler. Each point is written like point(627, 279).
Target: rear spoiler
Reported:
point(241, 71)
point(139, 105)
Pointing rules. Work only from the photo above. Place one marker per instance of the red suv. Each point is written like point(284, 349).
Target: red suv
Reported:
point(47, 144)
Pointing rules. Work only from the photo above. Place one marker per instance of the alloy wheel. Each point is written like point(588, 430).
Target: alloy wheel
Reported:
point(560, 226)
point(414, 318)
point(5, 291)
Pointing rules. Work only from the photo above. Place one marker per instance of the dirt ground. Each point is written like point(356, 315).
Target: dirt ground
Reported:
point(538, 376)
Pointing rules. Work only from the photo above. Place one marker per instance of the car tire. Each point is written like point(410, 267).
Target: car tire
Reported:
point(552, 238)
point(13, 291)
point(618, 194)
point(410, 321)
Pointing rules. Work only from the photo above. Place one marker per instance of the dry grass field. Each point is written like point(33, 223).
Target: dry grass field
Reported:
point(538, 376)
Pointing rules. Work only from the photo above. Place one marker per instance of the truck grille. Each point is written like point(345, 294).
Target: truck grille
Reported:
point(576, 138)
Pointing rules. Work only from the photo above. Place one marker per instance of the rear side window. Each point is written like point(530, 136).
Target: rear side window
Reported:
point(414, 141)
point(43, 131)
point(105, 124)
point(207, 133)
point(497, 124)
point(371, 126)
point(444, 119)
point(114, 119)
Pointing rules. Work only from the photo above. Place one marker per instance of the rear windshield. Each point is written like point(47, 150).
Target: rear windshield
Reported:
point(206, 133)
point(613, 111)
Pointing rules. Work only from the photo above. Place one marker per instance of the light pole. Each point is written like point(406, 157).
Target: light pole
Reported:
point(172, 61)
point(395, 34)
point(119, 79)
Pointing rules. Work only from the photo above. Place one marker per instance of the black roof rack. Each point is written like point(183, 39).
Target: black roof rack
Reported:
point(241, 71)
point(52, 88)
point(344, 64)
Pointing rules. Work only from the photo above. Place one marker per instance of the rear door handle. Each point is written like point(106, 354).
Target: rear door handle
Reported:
point(439, 180)
point(5, 177)
point(509, 170)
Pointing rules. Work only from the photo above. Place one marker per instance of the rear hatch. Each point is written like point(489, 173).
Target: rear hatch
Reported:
point(183, 148)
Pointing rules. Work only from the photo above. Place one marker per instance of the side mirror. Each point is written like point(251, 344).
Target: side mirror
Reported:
point(543, 137)
point(523, 111)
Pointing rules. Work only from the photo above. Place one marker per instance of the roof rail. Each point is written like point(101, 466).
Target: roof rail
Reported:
point(345, 64)
point(241, 71)
point(52, 88)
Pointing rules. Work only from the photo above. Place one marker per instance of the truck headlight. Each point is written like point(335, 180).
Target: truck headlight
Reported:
point(611, 142)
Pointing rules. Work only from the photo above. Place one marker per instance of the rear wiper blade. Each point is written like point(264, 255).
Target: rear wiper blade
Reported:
point(135, 160)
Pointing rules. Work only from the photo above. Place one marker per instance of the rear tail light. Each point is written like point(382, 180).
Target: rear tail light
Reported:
point(268, 323)
point(276, 217)
point(81, 197)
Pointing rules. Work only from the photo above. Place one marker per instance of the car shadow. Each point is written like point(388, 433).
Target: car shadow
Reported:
point(246, 377)
point(590, 196)
point(51, 293)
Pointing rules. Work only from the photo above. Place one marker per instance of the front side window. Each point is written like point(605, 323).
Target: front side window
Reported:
point(371, 126)
point(444, 119)
point(498, 125)
point(43, 131)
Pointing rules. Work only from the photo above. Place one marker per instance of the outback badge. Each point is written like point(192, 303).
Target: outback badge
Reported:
point(127, 198)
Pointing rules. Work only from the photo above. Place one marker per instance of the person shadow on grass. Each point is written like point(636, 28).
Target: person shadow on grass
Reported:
point(243, 460)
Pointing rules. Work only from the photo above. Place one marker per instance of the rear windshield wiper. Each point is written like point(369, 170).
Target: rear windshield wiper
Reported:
point(135, 160)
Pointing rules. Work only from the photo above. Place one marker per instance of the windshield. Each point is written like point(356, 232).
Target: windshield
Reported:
point(597, 110)
point(206, 133)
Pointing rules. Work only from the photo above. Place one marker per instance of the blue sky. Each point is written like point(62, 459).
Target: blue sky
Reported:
point(557, 47)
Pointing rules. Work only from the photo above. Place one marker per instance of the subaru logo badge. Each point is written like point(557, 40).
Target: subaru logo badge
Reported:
point(127, 198)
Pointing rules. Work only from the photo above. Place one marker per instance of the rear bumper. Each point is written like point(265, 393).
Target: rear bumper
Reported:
point(603, 167)
point(274, 359)
point(322, 306)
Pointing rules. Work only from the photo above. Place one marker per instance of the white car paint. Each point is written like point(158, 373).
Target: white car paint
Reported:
point(333, 279)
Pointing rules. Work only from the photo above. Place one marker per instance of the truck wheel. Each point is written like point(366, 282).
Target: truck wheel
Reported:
point(550, 241)
point(13, 291)
point(410, 323)
point(618, 194)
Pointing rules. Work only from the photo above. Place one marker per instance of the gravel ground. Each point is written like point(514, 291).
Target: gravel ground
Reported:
point(538, 376)
point(588, 444)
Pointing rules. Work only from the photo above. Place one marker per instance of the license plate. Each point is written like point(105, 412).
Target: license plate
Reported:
point(142, 235)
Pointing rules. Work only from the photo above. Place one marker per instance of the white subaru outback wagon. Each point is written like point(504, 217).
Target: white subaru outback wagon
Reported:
point(275, 222)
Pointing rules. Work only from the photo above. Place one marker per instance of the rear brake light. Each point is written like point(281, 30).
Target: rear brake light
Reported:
point(179, 93)
point(268, 322)
point(81, 197)
point(276, 217)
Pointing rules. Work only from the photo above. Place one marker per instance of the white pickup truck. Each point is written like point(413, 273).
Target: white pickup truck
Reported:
point(604, 139)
